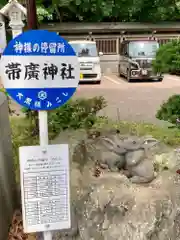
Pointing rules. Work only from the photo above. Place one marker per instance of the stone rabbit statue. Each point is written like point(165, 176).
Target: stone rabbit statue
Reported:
point(131, 157)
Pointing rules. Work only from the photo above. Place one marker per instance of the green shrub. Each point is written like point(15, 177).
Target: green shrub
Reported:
point(168, 58)
point(80, 113)
point(170, 110)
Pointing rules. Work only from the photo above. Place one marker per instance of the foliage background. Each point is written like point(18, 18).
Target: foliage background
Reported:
point(170, 110)
point(107, 10)
point(113, 10)
point(168, 58)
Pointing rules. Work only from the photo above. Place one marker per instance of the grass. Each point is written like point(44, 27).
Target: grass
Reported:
point(22, 129)
point(21, 136)
point(170, 136)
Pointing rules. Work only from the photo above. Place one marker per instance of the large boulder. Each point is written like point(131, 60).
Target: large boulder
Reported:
point(109, 206)
point(115, 209)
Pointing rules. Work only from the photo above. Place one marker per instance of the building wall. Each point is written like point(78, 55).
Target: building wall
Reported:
point(109, 63)
point(110, 46)
point(7, 175)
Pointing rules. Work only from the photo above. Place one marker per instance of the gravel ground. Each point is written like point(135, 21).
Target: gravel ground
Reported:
point(129, 101)
point(133, 101)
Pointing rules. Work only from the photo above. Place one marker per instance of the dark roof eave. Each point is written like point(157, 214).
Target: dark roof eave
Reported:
point(111, 27)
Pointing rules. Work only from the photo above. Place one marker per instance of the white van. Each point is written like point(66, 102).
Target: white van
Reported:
point(89, 59)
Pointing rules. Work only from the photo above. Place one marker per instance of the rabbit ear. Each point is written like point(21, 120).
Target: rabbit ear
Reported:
point(118, 141)
point(108, 143)
point(150, 142)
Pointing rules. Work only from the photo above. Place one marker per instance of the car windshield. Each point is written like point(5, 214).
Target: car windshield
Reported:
point(85, 49)
point(143, 49)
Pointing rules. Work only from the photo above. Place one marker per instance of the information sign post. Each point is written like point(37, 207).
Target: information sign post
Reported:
point(43, 138)
point(40, 71)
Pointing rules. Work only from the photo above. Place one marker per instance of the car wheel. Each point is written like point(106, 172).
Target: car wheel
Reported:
point(128, 76)
point(97, 82)
point(129, 80)
point(160, 79)
point(119, 71)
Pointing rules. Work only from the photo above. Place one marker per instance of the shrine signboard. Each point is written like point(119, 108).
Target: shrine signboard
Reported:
point(40, 70)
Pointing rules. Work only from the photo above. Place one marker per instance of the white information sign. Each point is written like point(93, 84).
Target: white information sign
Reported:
point(45, 187)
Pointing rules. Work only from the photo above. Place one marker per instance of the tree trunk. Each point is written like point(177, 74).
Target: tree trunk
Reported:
point(58, 13)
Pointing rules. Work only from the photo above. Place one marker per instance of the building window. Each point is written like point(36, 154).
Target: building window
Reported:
point(107, 46)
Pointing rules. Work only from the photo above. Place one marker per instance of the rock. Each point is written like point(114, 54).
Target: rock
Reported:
point(115, 209)
point(168, 160)
point(69, 233)
point(111, 207)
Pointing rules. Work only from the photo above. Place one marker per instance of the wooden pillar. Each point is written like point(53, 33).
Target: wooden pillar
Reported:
point(31, 14)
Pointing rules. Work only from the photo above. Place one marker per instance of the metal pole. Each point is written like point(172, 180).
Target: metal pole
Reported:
point(43, 118)
point(43, 138)
point(43, 128)
point(31, 14)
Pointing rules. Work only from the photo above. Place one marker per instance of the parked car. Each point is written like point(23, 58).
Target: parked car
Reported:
point(135, 61)
point(89, 60)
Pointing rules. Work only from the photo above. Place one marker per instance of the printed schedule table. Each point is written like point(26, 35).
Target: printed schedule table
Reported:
point(45, 186)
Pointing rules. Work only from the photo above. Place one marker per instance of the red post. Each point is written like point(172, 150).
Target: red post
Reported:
point(31, 14)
